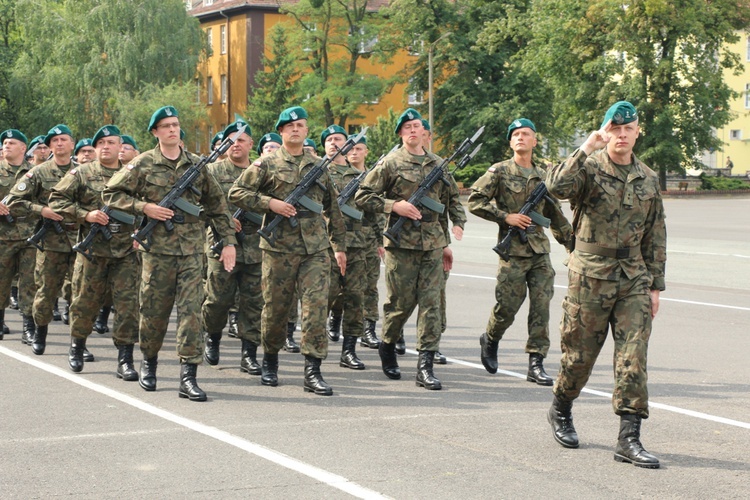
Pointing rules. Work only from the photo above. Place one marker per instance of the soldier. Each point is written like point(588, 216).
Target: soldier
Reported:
point(113, 267)
point(310, 147)
point(16, 256)
point(372, 228)
point(299, 256)
point(414, 269)
point(30, 196)
point(615, 274)
point(84, 151)
point(128, 149)
point(171, 270)
point(509, 184)
point(268, 144)
point(38, 151)
point(245, 279)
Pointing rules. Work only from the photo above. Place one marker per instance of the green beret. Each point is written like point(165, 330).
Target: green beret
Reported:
point(309, 143)
point(57, 130)
point(426, 125)
point(105, 131)
point(82, 144)
point(407, 116)
point(160, 114)
point(520, 123)
point(36, 140)
point(290, 115)
point(13, 134)
point(332, 130)
point(217, 138)
point(126, 139)
point(234, 127)
point(362, 140)
point(270, 137)
point(620, 113)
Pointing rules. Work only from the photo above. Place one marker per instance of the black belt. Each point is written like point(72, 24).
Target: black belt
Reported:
point(613, 253)
point(70, 226)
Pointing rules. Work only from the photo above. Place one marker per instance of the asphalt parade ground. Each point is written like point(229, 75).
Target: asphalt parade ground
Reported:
point(91, 435)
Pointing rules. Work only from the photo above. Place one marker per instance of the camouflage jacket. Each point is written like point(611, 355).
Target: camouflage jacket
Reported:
point(248, 251)
point(79, 193)
point(396, 178)
point(509, 186)
point(341, 175)
point(23, 225)
point(31, 194)
point(276, 176)
point(613, 212)
point(148, 179)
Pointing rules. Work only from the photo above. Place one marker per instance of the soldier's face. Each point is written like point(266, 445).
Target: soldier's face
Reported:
point(311, 150)
point(62, 145)
point(426, 138)
point(269, 148)
point(86, 154)
point(358, 154)
point(41, 153)
point(622, 138)
point(239, 152)
point(13, 151)
point(127, 153)
point(167, 131)
point(411, 133)
point(294, 133)
point(108, 150)
point(334, 142)
point(523, 140)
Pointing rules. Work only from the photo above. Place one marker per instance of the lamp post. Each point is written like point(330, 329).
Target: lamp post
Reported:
point(429, 78)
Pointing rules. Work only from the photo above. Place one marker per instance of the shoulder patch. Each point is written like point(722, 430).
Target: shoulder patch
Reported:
point(130, 166)
point(491, 169)
point(257, 163)
point(72, 172)
point(29, 174)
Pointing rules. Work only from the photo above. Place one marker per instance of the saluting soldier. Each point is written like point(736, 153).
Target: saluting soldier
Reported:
point(112, 267)
point(615, 275)
point(171, 270)
point(497, 196)
point(16, 256)
point(414, 269)
point(299, 258)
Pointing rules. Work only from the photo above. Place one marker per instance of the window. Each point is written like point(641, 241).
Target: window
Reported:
point(747, 57)
point(747, 96)
point(417, 46)
point(223, 39)
point(210, 38)
point(210, 133)
point(208, 2)
point(354, 129)
point(189, 4)
point(223, 89)
point(735, 135)
point(197, 132)
point(417, 96)
point(210, 89)
point(310, 37)
point(366, 43)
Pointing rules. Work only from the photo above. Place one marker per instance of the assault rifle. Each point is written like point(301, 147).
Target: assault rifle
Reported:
point(299, 195)
point(350, 189)
point(44, 224)
point(420, 198)
point(240, 215)
point(8, 218)
point(174, 199)
point(537, 195)
point(84, 246)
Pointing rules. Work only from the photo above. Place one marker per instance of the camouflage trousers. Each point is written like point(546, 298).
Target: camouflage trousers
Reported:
point(221, 289)
point(444, 303)
point(372, 273)
point(349, 296)
point(93, 281)
point(591, 306)
point(17, 257)
point(50, 272)
point(413, 278)
point(310, 274)
point(168, 280)
point(513, 277)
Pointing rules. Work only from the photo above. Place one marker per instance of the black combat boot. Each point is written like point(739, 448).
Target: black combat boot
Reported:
point(389, 361)
point(560, 417)
point(100, 325)
point(349, 357)
point(401, 345)
point(5, 330)
point(488, 353)
point(211, 351)
point(629, 448)
point(536, 371)
point(13, 297)
point(147, 378)
point(66, 314)
point(39, 343)
point(289, 344)
point(188, 386)
point(270, 370)
point(87, 356)
point(29, 327)
point(249, 362)
point(425, 377)
point(314, 380)
point(440, 359)
point(75, 354)
point(334, 325)
point(125, 368)
point(233, 331)
point(370, 338)
point(56, 311)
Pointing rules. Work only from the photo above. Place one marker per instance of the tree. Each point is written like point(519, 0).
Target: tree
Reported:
point(380, 137)
point(9, 46)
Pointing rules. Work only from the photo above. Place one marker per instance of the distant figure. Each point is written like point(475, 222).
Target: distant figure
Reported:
point(729, 165)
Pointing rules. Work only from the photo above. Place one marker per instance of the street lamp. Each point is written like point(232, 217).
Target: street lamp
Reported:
point(429, 78)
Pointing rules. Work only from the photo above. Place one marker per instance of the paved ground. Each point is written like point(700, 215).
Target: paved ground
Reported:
point(94, 436)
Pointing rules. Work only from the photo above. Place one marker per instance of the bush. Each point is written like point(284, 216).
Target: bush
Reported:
point(722, 183)
point(468, 175)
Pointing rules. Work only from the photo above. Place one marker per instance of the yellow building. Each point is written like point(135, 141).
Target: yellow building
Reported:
point(236, 31)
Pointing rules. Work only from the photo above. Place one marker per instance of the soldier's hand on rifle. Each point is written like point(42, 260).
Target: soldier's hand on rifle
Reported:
point(228, 257)
point(237, 225)
point(97, 217)
point(341, 261)
point(406, 209)
point(4, 210)
point(155, 212)
point(458, 233)
point(447, 259)
point(518, 220)
point(282, 208)
point(47, 213)
point(598, 139)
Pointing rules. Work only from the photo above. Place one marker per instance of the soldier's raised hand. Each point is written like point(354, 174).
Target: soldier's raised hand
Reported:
point(598, 139)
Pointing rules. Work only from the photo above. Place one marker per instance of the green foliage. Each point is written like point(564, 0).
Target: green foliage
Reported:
point(469, 174)
point(722, 183)
point(380, 136)
point(9, 46)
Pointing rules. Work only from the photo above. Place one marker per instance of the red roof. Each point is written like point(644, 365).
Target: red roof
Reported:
point(200, 9)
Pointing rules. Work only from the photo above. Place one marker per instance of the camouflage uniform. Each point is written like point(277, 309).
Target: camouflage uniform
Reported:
point(114, 265)
point(28, 197)
point(300, 257)
point(373, 226)
point(509, 186)
point(620, 254)
point(171, 270)
point(457, 216)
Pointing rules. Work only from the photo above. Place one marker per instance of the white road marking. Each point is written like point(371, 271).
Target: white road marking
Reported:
point(323, 476)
